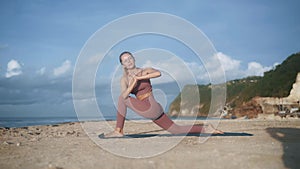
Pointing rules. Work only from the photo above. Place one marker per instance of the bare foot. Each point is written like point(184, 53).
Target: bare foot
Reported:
point(209, 128)
point(113, 134)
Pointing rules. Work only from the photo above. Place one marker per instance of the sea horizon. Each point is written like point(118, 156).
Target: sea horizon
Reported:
point(18, 122)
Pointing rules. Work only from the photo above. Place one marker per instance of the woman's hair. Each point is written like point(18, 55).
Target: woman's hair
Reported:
point(126, 52)
point(125, 72)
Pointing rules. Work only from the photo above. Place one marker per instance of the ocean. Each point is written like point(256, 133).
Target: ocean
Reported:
point(16, 122)
point(11, 122)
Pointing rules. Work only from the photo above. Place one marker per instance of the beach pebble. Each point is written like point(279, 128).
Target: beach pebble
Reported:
point(7, 143)
point(71, 132)
point(152, 164)
point(34, 139)
point(30, 132)
point(51, 166)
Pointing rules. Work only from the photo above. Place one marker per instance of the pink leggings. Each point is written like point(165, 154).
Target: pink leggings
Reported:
point(149, 108)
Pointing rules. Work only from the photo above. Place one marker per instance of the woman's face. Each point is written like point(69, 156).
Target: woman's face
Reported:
point(128, 61)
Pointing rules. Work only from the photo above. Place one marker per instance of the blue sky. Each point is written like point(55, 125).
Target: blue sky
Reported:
point(41, 40)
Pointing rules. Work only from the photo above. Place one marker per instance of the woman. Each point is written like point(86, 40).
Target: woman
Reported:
point(137, 81)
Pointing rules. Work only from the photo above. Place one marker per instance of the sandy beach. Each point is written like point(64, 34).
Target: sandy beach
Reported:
point(255, 143)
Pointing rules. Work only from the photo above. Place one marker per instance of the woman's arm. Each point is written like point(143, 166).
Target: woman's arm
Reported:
point(148, 73)
point(125, 89)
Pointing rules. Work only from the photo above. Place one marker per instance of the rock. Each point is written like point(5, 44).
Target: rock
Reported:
point(51, 166)
point(295, 92)
point(7, 143)
point(34, 139)
point(71, 132)
point(249, 110)
point(243, 118)
point(272, 105)
point(30, 132)
point(37, 133)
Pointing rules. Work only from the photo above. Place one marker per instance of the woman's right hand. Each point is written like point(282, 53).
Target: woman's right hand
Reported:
point(127, 86)
point(132, 81)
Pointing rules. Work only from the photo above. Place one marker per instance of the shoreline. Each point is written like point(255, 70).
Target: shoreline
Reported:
point(48, 121)
point(19, 122)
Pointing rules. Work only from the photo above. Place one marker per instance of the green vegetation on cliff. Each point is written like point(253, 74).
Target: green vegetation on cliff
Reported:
point(275, 83)
point(278, 82)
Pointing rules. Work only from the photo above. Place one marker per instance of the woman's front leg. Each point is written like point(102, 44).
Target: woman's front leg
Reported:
point(121, 113)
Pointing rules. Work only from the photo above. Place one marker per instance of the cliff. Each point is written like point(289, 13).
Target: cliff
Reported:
point(249, 96)
point(275, 104)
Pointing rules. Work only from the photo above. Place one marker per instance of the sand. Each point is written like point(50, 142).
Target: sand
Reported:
point(246, 144)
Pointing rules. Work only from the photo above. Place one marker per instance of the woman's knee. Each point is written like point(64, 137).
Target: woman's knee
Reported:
point(121, 98)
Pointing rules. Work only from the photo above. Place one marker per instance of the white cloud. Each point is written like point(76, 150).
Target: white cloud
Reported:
point(173, 69)
point(13, 69)
point(256, 69)
point(41, 71)
point(64, 68)
point(233, 69)
point(216, 69)
point(275, 64)
point(211, 72)
point(227, 62)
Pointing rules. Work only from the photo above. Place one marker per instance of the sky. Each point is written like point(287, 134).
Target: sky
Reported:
point(41, 41)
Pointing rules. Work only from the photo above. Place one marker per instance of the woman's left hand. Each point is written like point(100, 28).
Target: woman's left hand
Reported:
point(133, 79)
point(137, 77)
